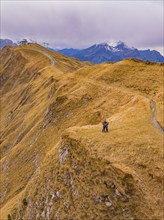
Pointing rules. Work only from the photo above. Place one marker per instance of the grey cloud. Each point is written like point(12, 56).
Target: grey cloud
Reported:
point(82, 23)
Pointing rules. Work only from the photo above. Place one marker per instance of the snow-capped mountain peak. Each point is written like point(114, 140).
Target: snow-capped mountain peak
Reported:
point(114, 43)
point(115, 46)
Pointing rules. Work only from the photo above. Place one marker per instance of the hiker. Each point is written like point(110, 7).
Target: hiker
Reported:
point(105, 126)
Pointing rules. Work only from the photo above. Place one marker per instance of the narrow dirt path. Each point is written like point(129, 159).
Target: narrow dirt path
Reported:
point(51, 59)
point(152, 108)
point(154, 114)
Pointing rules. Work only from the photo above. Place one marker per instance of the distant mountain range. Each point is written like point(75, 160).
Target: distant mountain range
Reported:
point(104, 52)
point(112, 52)
point(6, 42)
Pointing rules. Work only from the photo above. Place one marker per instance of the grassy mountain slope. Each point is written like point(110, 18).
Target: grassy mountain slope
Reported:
point(55, 161)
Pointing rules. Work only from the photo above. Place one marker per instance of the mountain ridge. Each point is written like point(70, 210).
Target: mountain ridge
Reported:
point(112, 52)
point(55, 161)
point(109, 51)
point(6, 42)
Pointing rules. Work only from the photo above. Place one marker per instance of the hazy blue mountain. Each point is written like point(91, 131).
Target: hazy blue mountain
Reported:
point(103, 52)
point(6, 42)
point(69, 52)
point(112, 51)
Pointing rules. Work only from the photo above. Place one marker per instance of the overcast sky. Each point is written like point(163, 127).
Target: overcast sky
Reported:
point(79, 24)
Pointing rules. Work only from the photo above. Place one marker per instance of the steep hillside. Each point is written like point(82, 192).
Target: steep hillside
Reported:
point(55, 161)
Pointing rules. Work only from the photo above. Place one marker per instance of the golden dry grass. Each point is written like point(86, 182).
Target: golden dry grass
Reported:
point(53, 153)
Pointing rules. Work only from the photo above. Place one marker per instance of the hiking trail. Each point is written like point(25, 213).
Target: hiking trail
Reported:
point(51, 59)
point(154, 114)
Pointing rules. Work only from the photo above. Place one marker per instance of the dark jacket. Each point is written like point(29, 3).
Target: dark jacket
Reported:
point(105, 124)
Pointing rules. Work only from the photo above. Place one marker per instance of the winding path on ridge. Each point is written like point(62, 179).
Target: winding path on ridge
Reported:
point(154, 114)
point(153, 109)
point(152, 103)
point(51, 59)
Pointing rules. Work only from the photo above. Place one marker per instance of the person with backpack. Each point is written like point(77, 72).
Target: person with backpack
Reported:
point(105, 126)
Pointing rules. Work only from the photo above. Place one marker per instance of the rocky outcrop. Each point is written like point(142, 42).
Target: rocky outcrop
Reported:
point(73, 184)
